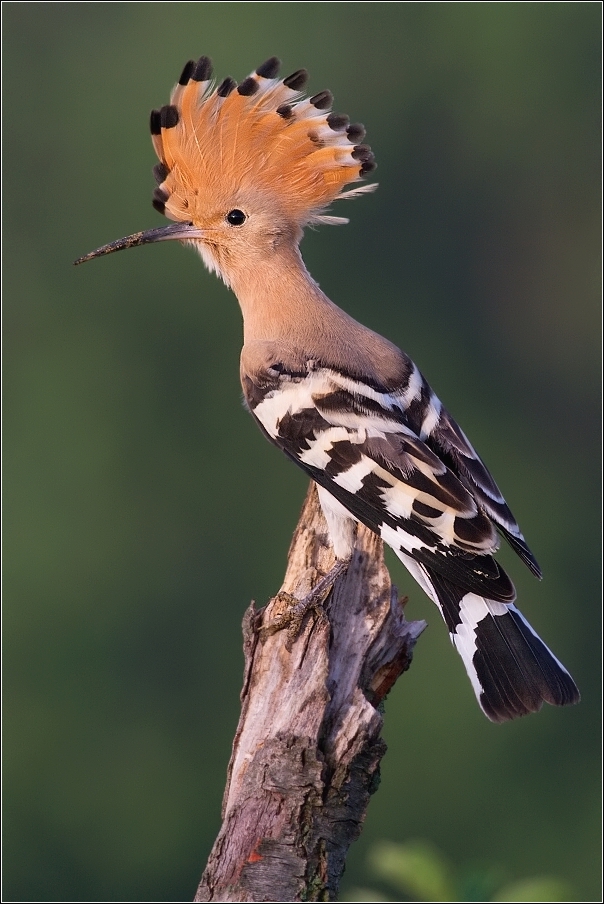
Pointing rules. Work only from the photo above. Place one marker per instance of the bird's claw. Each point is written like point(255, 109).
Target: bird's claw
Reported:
point(296, 610)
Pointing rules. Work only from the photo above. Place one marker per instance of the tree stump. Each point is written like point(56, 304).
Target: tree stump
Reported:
point(307, 749)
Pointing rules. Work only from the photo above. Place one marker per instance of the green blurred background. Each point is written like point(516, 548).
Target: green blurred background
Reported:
point(143, 508)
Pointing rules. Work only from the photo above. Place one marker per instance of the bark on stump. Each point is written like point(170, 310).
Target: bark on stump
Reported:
point(307, 749)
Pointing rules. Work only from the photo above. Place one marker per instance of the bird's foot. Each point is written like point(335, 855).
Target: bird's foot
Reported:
point(293, 617)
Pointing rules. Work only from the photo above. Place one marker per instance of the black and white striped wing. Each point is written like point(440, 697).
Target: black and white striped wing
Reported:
point(449, 442)
point(366, 448)
point(398, 463)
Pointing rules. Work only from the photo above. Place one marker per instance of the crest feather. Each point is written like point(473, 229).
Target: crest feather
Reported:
point(261, 134)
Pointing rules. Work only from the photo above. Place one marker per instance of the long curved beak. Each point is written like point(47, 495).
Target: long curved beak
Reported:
point(176, 231)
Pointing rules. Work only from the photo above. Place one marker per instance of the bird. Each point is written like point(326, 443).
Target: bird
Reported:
point(243, 169)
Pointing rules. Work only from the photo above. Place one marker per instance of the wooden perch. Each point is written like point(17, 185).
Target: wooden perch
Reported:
point(307, 749)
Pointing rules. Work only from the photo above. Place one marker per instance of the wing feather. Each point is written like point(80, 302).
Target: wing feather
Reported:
point(359, 444)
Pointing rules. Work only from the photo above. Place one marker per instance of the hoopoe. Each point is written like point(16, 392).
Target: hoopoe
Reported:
point(243, 169)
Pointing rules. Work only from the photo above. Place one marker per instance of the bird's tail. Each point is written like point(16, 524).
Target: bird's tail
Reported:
point(512, 671)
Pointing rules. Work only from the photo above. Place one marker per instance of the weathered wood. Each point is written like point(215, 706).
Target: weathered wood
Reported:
point(307, 749)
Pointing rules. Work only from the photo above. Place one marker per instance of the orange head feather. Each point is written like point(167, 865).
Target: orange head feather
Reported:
point(261, 136)
point(258, 153)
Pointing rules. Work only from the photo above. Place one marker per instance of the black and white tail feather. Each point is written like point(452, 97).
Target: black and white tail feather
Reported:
point(396, 461)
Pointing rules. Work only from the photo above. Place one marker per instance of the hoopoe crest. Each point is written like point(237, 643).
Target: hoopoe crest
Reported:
point(243, 169)
point(260, 139)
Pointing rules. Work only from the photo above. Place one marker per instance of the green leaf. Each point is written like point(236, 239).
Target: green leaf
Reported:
point(416, 868)
point(539, 888)
point(479, 882)
point(365, 894)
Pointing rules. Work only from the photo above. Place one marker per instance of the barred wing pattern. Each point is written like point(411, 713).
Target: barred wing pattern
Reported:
point(397, 462)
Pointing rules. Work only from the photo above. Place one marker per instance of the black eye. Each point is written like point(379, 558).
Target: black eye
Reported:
point(236, 217)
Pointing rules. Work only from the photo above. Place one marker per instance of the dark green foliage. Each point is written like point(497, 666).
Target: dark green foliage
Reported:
point(417, 871)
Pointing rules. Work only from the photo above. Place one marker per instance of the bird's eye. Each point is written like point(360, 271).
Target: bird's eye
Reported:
point(236, 217)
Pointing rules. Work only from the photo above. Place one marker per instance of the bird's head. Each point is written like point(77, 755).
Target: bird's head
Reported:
point(245, 167)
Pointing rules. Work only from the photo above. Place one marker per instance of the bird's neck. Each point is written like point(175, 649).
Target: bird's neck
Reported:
point(280, 301)
point(283, 305)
